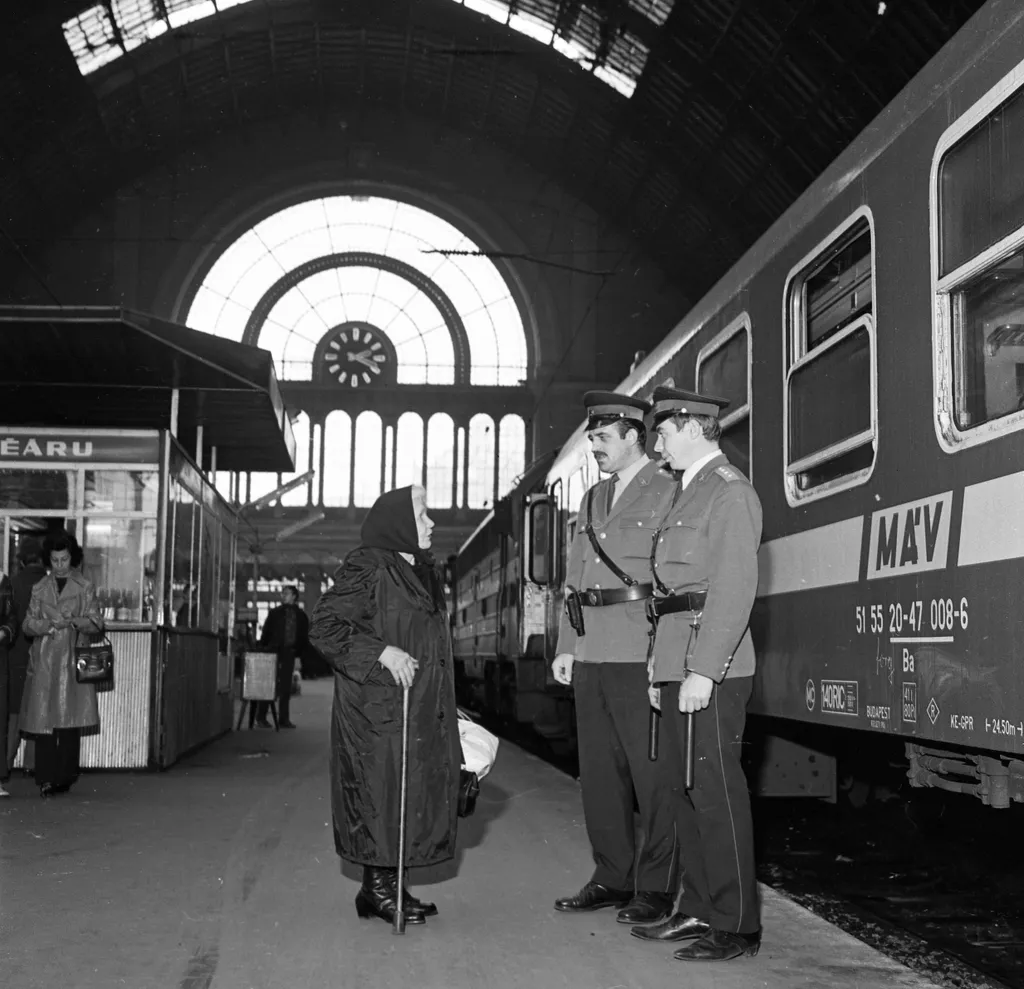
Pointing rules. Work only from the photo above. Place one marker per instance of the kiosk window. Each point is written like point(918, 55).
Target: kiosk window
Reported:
point(120, 560)
point(122, 491)
point(981, 266)
point(831, 436)
point(37, 490)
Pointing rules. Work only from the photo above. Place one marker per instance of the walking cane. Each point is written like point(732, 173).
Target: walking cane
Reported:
point(398, 924)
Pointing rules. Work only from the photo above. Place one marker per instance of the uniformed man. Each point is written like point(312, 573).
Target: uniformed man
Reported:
point(602, 650)
point(704, 562)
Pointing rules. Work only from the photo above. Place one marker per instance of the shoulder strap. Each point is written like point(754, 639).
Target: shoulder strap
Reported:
point(728, 473)
point(658, 582)
point(596, 543)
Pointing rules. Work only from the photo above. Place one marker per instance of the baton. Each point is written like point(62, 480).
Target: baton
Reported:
point(688, 749)
point(653, 722)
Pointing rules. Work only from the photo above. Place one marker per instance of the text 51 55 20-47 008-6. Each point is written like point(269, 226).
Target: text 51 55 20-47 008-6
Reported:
point(916, 617)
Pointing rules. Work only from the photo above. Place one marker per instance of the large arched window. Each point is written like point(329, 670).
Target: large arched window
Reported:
point(512, 452)
point(337, 458)
point(298, 496)
point(360, 229)
point(440, 460)
point(409, 450)
point(367, 459)
point(480, 469)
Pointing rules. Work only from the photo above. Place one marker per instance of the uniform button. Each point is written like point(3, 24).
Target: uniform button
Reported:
point(603, 534)
point(679, 523)
point(655, 566)
point(640, 524)
point(597, 586)
point(662, 539)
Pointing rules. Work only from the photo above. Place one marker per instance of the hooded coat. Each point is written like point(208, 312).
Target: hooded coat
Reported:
point(380, 599)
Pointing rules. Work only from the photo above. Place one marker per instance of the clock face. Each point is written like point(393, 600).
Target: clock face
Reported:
point(355, 356)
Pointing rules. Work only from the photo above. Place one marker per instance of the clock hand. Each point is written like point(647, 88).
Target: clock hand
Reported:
point(361, 359)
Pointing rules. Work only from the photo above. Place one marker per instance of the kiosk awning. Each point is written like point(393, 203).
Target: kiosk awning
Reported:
point(113, 368)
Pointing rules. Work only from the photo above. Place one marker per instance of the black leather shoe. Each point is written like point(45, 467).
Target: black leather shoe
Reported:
point(288, 724)
point(646, 907)
point(594, 896)
point(678, 927)
point(719, 946)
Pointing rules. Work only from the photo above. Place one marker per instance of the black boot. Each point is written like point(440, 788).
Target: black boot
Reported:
point(378, 896)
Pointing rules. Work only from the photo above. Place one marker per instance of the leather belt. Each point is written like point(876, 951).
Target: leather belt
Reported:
point(674, 603)
point(600, 597)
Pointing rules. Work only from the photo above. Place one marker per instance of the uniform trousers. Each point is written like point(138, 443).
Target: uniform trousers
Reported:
point(611, 724)
point(716, 834)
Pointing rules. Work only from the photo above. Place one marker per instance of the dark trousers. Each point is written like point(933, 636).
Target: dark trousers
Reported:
point(285, 669)
point(716, 835)
point(4, 695)
point(611, 723)
point(57, 757)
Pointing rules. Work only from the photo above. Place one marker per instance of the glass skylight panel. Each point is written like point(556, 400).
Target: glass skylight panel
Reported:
point(138, 21)
point(495, 9)
point(532, 27)
point(91, 38)
point(656, 11)
point(181, 12)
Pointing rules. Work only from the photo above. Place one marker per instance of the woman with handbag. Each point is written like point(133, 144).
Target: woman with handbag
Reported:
point(55, 706)
point(383, 627)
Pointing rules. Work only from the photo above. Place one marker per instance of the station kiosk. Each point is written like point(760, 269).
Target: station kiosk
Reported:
point(121, 425)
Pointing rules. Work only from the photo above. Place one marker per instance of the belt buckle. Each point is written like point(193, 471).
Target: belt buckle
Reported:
point(592, 598)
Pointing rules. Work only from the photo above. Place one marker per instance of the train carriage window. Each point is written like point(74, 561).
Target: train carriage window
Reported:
point(978, 266)
point(830, 412)
point(723, 369)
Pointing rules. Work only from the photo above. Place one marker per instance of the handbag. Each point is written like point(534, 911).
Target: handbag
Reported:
point(479, 747)
point(94, 660)
point(469, 790)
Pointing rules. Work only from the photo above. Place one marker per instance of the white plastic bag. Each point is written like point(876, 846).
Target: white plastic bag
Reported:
point(479, 746)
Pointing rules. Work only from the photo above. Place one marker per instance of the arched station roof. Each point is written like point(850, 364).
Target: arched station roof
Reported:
point(690, 124)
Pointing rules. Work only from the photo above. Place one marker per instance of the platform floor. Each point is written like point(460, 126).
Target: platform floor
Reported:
point(221, 874)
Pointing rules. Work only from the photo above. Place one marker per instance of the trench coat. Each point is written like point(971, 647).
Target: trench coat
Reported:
point(379, 600)
point(53, 698)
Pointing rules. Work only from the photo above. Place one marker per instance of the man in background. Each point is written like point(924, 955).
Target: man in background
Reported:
point(286, 632)
point(8, 630)
point(30, 571)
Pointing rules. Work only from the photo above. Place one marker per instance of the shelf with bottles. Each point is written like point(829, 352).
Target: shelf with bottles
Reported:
point(124, 604)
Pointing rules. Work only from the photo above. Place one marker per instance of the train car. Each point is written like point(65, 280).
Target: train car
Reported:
point(871, 344)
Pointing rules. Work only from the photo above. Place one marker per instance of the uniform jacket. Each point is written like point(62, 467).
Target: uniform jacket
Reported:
point(272, 636)
point(378, 599)
point(708, 542)
point(616, 632)
point(53, 698)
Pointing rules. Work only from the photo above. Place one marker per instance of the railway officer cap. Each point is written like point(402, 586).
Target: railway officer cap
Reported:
point(669, 402)
point(604, 404)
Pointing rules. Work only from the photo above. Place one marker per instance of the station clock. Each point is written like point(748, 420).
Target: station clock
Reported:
point(356, 356)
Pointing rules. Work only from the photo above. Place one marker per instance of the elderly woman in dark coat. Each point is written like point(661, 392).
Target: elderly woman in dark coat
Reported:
point(382, 627)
